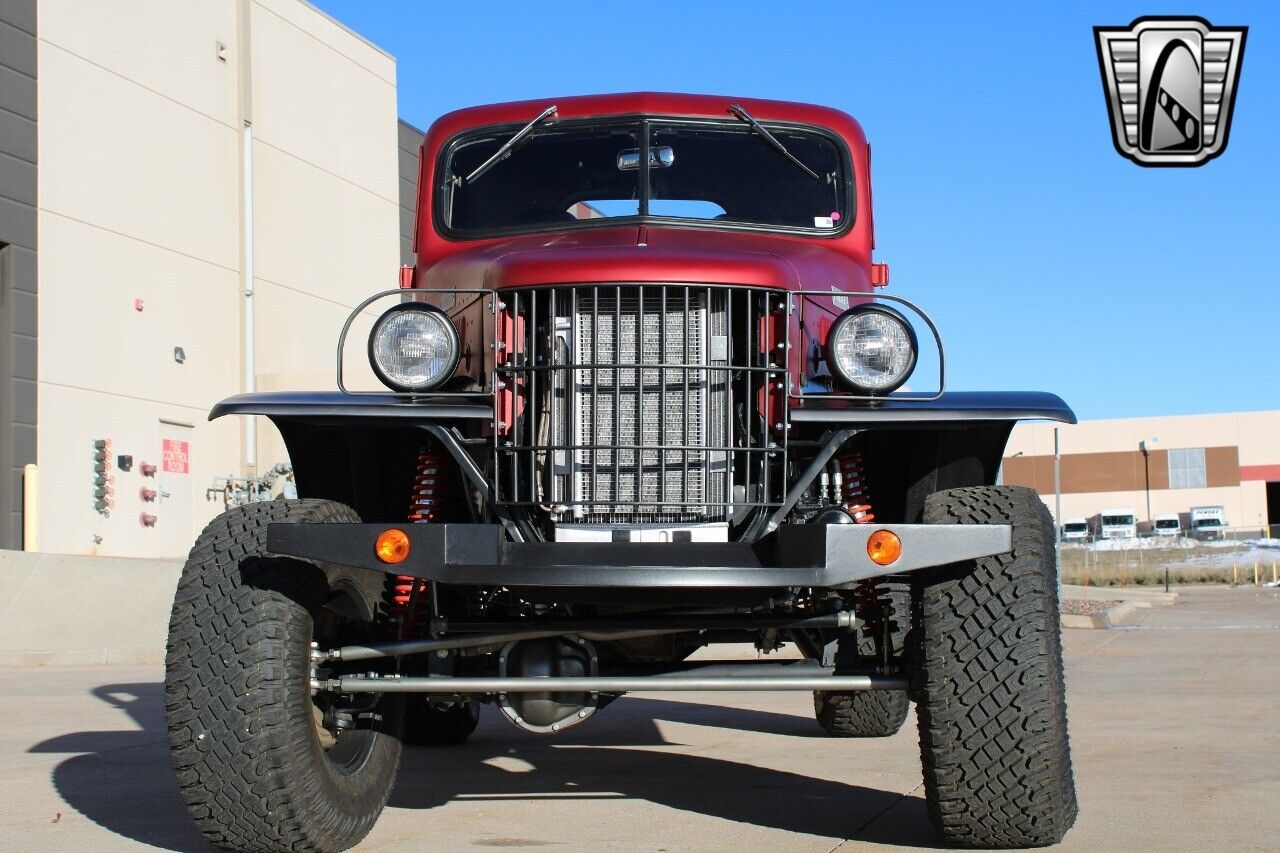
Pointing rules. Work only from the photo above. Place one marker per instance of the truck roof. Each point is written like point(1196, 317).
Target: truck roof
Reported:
point(652, 103)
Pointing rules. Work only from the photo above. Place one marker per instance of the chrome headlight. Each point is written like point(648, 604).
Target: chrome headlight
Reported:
point(871, 349)
point(413, 347)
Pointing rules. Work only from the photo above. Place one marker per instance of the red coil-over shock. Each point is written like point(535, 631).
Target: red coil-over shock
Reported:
point(408, 606)
point(853, 488)
point(870, 600)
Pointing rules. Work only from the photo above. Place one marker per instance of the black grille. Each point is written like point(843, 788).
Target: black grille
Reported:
point(639, 403)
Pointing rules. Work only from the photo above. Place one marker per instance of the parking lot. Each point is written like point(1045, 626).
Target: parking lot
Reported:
point(1174, 726)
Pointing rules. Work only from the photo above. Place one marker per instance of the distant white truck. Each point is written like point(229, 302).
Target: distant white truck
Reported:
point(1208, 522)
point(1167, 524)
point(1116, 523)
point(1075, 530)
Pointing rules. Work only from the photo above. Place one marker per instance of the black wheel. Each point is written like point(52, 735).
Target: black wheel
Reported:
point(438, 725)
point(988, 680)
point(869, 713)
point(262, 765)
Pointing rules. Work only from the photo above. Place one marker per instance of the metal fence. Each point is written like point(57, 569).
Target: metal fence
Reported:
point(1243, 555)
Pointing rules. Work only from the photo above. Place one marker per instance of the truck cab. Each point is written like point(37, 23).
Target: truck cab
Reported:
point(1075, 530)
point(1116, 523)
point(1167, 525)
point(1208, 522)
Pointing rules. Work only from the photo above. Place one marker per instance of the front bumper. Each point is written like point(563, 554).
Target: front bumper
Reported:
point(830, 556)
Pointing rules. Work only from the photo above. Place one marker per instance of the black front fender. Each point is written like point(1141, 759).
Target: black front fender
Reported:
point(332, 407)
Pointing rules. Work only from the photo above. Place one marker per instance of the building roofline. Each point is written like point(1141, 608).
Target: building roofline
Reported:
point(322, 13)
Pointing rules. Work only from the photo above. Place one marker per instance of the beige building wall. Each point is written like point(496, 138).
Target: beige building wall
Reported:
point(1256, 435)
point(140, 206)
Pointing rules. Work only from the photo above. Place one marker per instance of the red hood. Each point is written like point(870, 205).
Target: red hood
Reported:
point(649, 253)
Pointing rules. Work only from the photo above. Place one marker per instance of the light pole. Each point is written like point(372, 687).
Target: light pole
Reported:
point(1057, 509)
point(1146, 468)
point(1145, 446)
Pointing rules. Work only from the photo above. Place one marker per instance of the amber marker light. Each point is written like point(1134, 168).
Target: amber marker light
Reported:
point(884, 547)
point(392, 546)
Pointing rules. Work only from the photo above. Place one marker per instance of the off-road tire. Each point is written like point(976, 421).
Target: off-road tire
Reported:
point(431, 725)
point(869, 713)
point(988, 680)
point(242, 730)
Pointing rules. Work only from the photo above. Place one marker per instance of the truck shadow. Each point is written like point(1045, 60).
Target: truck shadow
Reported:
point(122, 780)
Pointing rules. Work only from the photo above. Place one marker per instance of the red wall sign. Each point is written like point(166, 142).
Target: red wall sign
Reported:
point(175, 456)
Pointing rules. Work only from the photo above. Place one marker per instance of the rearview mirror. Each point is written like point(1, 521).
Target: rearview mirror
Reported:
point(659, 158)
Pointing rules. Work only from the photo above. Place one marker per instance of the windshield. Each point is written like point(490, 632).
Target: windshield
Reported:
point(1208, 522)
point(1075, 527)
point(1117, 520)
point(1167, 523)
point(567, 174)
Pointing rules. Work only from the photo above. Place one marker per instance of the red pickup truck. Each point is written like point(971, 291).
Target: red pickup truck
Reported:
point(644, 394)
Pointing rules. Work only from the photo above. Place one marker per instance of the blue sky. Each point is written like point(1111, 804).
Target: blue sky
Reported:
point(1048, 261)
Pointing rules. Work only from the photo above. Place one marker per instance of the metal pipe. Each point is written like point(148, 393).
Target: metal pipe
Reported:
point(820, 460)
point(473, 473)
point(1057, 511)
point(624, 684)
point(246, 231)
point(692, 622)
point(471, 641)
point(758, 668)
point(412, 647)
point(30, 501)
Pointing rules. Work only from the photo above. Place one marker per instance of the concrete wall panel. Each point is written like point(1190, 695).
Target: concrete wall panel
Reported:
point(335, 35)
point(167, 47)
point(87, 629)
point(92, 278)
point(121, 157)
point(320, 106)
point(140, 198)
point(318, 234)
point(70, 419)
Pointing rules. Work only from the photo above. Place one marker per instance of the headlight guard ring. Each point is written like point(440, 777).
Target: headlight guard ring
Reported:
point(801, 306)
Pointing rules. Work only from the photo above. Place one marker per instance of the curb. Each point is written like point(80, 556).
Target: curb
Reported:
point(1117, 614)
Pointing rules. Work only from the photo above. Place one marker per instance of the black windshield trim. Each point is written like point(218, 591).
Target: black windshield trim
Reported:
point(644, 120)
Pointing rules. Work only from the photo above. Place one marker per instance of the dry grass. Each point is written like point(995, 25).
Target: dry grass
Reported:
point(1147, 567)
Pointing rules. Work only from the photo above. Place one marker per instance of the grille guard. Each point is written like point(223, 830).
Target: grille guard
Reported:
point(821, 556)
point(730, 466)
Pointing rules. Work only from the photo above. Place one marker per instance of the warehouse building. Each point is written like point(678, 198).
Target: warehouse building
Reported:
point(193, 197)
point(1157, 465)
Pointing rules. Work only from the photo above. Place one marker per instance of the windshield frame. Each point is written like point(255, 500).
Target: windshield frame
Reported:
point(643, 121)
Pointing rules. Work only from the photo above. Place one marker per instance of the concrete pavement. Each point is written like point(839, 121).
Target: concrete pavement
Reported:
point(1175, 724)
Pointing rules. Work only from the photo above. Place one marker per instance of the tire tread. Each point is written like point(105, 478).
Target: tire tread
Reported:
point(989, 681)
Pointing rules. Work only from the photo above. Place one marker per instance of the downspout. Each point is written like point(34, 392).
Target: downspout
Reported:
point(249, 380)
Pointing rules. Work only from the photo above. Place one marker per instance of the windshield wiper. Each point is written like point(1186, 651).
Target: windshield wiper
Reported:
point(510, 145)
point(738, 111)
